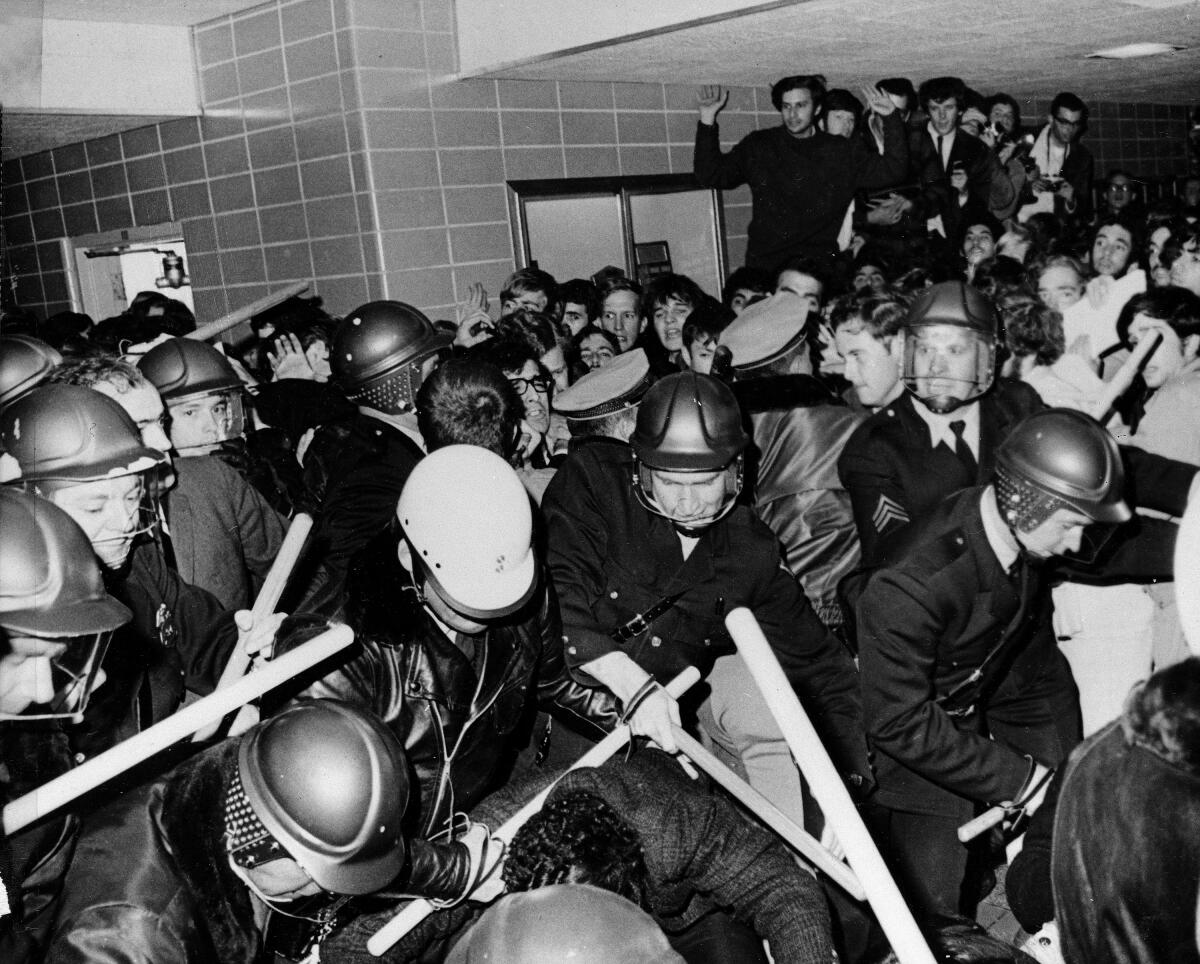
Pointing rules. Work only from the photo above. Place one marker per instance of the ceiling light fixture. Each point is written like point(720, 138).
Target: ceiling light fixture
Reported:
point(1130, 51)
point(1157, 4)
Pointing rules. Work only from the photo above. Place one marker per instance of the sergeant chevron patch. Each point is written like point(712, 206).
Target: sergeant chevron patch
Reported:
point(887, 512)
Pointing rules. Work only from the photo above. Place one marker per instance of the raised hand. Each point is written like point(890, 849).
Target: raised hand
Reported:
point(710, 99)
point(878, 102)
point(288, 360)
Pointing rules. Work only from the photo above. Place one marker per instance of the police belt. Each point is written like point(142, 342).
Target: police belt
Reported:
point(641, 622)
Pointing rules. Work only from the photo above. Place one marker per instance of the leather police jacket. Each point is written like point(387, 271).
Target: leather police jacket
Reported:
point(456, 715)
point(151, 879)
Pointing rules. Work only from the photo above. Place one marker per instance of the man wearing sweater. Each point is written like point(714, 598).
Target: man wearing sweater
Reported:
point(801, 178)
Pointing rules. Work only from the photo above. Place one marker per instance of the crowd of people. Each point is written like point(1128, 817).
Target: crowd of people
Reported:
point(937, 435)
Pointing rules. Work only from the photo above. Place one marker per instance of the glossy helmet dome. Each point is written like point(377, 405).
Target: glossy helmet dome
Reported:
point(1059, 458)
point(957, 305)
point(24, 363)
point(467, 518)
point(50, 587)
point(564, 924)
point(180, 367)
point(329, 782)
point(185, 371)
point(50, 583)
point(68, 433)
point(378, 351)
point(688, 422)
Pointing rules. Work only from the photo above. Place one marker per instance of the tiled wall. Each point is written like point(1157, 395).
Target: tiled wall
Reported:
point(1149, 140)
point(335, 148)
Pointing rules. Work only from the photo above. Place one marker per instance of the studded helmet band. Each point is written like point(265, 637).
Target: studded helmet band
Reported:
point(1023, 506)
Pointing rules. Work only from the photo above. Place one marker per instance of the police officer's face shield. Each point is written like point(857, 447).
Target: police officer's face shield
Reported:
point(112, 512)
point(693, 501)
point(49, 677)
point(200, 423)
point(947, 366)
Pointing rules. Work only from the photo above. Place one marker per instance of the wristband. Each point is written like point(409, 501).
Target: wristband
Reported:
point(635, 702)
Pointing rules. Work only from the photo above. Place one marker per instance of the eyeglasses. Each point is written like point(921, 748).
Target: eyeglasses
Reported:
point(1068, 123)
point(539, 383)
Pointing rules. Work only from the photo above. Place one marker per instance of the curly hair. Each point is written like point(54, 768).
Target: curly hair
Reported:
point(577, 838)
point(1031, 328)
point(90, 369)
point(1162, 715)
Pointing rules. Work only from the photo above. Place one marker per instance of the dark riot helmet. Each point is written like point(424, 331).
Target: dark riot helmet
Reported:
point(328, 783)
point(24, 363)
point(956, 305)
point(51, 588)
point(690, 423)
point(1059, 458)
point(378, 351)
point(185, 372)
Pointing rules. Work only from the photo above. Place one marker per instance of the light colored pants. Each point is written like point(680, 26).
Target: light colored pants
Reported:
point(742, 733)
point(1107, 635)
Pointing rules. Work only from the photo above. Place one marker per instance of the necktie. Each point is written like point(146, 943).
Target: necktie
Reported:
point(941, 155)
point(962, 449)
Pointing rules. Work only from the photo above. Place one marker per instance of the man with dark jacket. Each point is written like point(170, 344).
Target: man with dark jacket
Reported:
point(952, 713)
point(355, 468)
point(54, 613)
point(959, 176)
point(641, 828)
point(799, 429)
point(459, 631)
point(199, 865)
point(649, 549)
point(801, 178)
point(80, 449)
point(221, 532)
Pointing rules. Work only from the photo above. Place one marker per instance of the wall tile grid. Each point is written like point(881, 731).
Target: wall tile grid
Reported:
point(336, 147)
point(269, 185)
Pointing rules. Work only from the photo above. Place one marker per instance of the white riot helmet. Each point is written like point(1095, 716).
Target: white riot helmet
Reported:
point(467, 517)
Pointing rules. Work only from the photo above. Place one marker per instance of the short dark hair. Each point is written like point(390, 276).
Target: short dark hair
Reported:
point(900, 87)
point(508, 350)
point(881, 315)
point(746, 278)
point(468, 401)
point(587, 331)
point(579, 291)
point(1120, 219)
point(943, 88)
point(1000, 276)
point(1070, 102)
point(1177, 307)
point(706, 322)
point(1178, 241)
point(1162, 714)
point(1008, 101)
point(524, 280)
point(577, 838)
point(534, 325)
point(663, 287)
point(809, 266)
point(813, 83)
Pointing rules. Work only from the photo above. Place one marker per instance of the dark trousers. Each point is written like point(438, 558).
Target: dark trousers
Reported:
point(718, 939)
point(924, 855)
